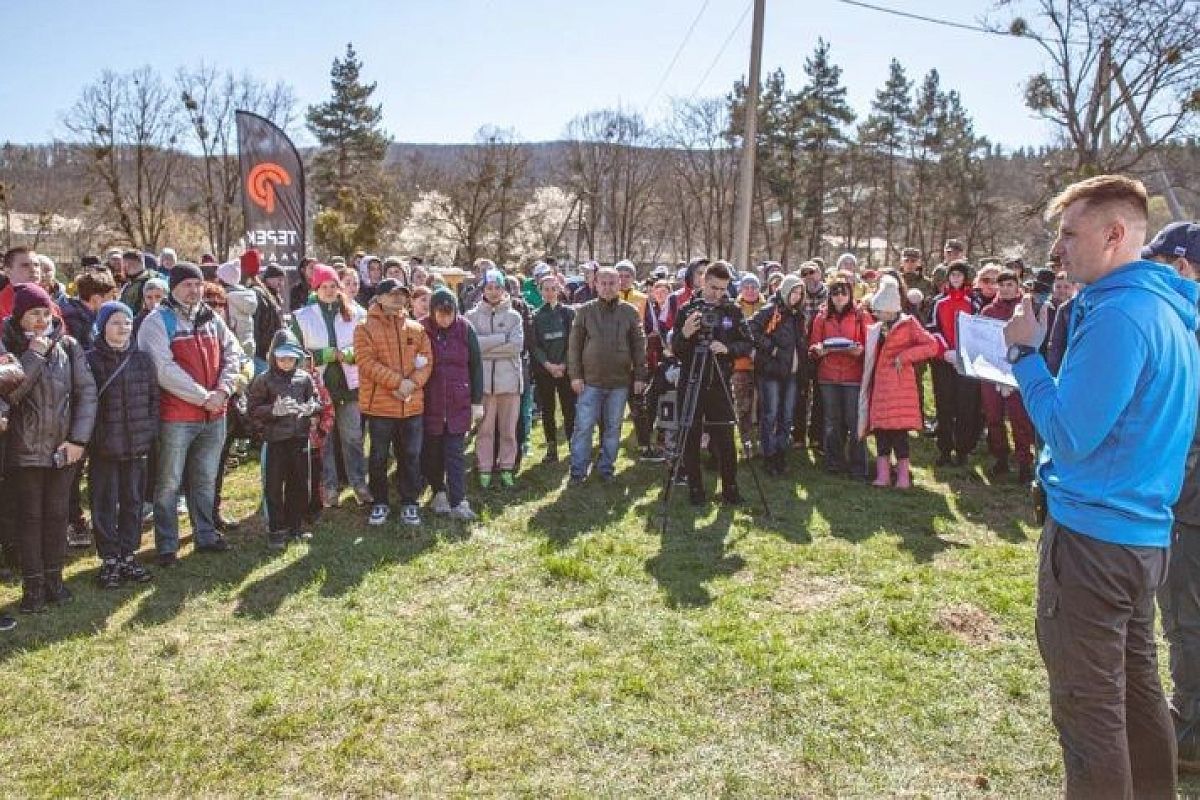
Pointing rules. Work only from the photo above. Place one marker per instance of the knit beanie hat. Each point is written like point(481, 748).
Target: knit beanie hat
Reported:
point(156, 283)
point(250, 263)
point(322, 274)
point(443, 300)
point(28, 296)
point(183, 271)
point(230, 273)
point(888, 296)
point(107, 310)
point(789, 282)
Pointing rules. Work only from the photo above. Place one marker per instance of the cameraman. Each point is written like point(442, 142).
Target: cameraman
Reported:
point(711, 321)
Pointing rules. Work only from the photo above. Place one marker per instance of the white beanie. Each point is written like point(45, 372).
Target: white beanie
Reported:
point(230, 273)
point(167, 251)
point(915, 297)
point(887, 298)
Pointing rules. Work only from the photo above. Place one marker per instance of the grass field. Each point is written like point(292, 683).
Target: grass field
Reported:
point(859, 643)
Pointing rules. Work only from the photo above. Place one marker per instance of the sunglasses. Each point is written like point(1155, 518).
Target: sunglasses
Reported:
point(839, 290)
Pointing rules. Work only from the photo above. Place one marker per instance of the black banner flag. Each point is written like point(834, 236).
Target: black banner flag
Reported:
point(272, 190)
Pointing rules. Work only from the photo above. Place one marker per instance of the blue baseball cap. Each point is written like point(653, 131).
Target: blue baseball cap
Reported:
point(1175, 240)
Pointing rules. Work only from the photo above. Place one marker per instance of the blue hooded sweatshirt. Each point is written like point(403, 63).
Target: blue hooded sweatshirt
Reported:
point(1118, 420)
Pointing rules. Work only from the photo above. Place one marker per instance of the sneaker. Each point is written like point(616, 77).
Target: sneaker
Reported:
point(300, 536)
point(576, 480)
point(133, 572)
point(181, 505)
point(109, 576)
point(485, 480)
point(277, 540)
point(409, 515)
point(217, 545)
point(506, 478)
point(7, 622)
point(462, 511)
point(79, 533)
point(440, 504)
point(362, 496)
point(223, 523)
point(147, 512)
point(652, 455)
point(166, 560)
point(329, 499)
point(379, 514)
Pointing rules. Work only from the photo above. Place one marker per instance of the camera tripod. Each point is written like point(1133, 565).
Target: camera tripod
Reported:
point(702, 359)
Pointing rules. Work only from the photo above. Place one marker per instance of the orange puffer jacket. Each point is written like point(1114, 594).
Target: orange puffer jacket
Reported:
point(389, 348)
point(888, 399)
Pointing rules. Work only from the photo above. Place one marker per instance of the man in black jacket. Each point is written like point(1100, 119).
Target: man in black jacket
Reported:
point(551, 331)
point(711, 322)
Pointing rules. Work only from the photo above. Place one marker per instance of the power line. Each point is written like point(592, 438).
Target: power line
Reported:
point(721, 52)
point(922, 18)
point(679, 51)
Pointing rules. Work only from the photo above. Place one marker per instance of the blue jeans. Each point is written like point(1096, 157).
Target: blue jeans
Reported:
point(843, 448)
point(407, 433)
point(189, 453)
point(596, 403)
point(350, 434)
point(777, 408)
point(444, 462)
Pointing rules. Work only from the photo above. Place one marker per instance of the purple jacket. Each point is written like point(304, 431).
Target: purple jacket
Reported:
point(457, 378)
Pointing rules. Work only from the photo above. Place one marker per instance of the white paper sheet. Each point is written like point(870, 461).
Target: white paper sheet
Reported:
point(982, 352)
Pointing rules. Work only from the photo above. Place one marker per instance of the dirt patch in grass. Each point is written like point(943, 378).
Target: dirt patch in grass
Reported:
point(970, 624)
point(799, 591)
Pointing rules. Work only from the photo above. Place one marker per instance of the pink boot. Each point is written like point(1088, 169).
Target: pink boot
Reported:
point(883, 471)
point(903, 479)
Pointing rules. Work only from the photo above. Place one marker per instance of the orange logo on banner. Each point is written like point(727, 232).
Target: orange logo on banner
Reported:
point(260, 184)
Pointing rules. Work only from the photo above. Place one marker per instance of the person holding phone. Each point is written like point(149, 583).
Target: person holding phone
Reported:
point(50, 423)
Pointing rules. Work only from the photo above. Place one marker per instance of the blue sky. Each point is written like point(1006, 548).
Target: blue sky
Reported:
point(447, 67)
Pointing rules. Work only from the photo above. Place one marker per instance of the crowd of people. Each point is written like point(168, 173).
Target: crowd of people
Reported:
point(146, 377)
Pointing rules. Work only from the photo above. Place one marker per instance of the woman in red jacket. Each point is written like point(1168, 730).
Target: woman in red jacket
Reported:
point(888, 404)
point(836, 343)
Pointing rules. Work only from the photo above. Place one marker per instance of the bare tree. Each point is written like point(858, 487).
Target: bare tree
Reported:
point(1152, 44)
point(210, 97)
point(131, 124)
point(703, 162)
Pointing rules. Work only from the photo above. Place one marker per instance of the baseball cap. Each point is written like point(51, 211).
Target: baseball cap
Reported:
point(1175, 240)
point(389, 285)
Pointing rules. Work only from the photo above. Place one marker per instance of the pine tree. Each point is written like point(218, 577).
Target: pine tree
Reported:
point(346, 170)
point(824, 115)
point(887, 131)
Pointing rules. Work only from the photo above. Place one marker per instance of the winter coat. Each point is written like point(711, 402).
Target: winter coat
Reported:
point(888, 400)
point(501, 332)
point(834, 366)
point(917, 280)
point(268, 321)
point(746, 363)
point(949, 304)
point(456, 382)
point(390, 348)
point(55, 403)
point(133, 293)
point(80, 321)
point(780, 346)
point(240, 305)
point(127, 401)
point(607, 346)
point(1001, 309)
point(634, 298)
point(312, 327)
point(273, 384)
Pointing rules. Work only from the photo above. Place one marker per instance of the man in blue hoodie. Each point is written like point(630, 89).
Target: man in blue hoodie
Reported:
point(1112, 469)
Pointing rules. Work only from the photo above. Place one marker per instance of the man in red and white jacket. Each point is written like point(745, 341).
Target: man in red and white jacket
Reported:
point(198, 361)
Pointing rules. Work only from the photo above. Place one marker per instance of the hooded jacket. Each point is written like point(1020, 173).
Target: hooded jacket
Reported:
point(501, 332)
point(1118, 420)
point(56, 401)
point(241, 303)
point(273, 384)
point(779, 341)
point(390, 348)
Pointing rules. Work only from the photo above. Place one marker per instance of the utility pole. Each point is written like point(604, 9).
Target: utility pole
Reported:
point(1144, 139)
point(745, 195)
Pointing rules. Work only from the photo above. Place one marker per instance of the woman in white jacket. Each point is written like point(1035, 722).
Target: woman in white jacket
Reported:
point(501, 334)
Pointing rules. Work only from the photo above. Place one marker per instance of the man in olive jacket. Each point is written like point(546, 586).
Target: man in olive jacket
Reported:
point(607, 346)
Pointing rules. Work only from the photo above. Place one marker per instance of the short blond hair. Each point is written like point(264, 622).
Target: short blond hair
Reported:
point(1103, 190)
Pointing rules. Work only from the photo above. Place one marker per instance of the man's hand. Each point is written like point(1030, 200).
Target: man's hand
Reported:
point(818, 350)
point(691, 325)
point(856, 350)
point(639, 387)
point(216, 401)
point(1027, 327)
point(40, 345)
point(577, 386)
point(407, 387)
point(719, 348)
point(950, 357)
point(73, 452)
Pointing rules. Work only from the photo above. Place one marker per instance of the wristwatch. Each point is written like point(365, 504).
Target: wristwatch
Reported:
point(1018, 351)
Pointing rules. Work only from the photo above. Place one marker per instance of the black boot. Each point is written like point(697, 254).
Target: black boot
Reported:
point(55, 591)
point(33, 595)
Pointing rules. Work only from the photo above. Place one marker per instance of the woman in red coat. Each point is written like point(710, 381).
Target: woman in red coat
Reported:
point(836, 343)
point(888, 404)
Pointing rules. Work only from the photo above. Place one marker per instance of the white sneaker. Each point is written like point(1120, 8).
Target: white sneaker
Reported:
point(379, 514)
point(409, 515)
point(462, 511)
point(440, 504)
